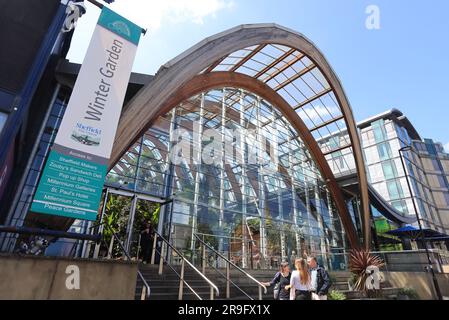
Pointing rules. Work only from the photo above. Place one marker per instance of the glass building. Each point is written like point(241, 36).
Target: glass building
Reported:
point(247, 140)
point(426, 167)
point(240, 176)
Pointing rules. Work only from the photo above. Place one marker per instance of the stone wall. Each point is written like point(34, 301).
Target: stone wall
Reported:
point(420, 281)
point(42, 278)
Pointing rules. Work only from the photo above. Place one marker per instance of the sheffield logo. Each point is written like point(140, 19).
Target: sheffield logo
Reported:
point(120, 27)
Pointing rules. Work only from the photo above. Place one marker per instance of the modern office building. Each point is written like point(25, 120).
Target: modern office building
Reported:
point(246, 139)
point(426, 167)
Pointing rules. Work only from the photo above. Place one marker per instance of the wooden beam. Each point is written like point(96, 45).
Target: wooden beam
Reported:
point(274, 63)
point(311, 99)
point(326, 123)
point(283, 68)
point(248, 57)
point(337, 149)
point(214, 65)
point(295, 77)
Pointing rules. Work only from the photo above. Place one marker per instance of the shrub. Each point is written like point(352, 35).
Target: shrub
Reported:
point(409, 292)
point(336, 295)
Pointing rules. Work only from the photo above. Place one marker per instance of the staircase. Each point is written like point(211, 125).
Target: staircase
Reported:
point(166, 286)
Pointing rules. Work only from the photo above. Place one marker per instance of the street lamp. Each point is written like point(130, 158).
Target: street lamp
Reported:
point(423, 239)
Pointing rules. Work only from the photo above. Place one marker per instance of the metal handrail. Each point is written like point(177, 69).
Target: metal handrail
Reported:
point(232, 282)
point(146, 290)
point(185, 260)
point(260, 284)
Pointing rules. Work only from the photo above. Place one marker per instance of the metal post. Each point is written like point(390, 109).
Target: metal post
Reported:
point(434, 278)
point(181, 281)
point(251, 254)
point(275, 160)
point(212, 293)
point(144, 293)
point(260, 293)
point(261, 180)
point(228, 279)
point(153, 253)
point(161, 259)
point(198, 170)
point(100, 229)
point(243, 181)
point(204, 259)
point(294, 197)
point(130, 227)
point(222, 169)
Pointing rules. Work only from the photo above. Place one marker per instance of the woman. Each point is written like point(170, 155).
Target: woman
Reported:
point(281, 280)
point(300, 282)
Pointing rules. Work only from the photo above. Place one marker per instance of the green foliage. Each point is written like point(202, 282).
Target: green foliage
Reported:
point(409, 292)
point(336, 295)
point(117, 216)
point(360, 260)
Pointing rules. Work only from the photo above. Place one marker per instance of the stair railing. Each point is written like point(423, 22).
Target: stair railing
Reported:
point(146, 290)
point(229, 264)
point(162, 253)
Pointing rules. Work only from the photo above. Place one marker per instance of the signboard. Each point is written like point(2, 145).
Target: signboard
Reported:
point(72, 181)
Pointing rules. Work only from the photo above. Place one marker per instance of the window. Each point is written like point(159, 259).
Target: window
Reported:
point(389, 169)
point(446, 196)
point(441, 181)
point(379, 130)
point(436, 165)
point(394, 190)
point(400, 206)
point(384, 151)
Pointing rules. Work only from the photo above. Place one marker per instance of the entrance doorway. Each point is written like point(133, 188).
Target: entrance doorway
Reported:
point(127, 214)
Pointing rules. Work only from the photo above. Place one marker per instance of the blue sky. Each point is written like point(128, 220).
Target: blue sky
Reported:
point(403, 65)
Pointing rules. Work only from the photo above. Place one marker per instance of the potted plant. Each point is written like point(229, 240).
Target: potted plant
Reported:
point(408, 294)
point(362, 263)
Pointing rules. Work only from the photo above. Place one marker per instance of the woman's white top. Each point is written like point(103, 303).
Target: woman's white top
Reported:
point(295, 282)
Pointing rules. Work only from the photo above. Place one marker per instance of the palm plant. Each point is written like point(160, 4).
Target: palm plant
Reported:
point(360, 260)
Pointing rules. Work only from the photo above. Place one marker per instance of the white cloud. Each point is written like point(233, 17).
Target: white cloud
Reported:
point(152, 14)
point(319, 113)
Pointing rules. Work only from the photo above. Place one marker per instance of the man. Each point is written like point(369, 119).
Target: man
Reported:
point(146, 241)
point(320, 280)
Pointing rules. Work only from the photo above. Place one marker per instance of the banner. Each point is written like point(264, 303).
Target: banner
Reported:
point(73, 178)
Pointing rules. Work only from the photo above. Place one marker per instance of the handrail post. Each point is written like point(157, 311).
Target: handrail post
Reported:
point(144, 293)
point(212, 293)
point(161, 258)
point(204, 259)
point(153, 254)
point(181, 281)
point(228, 276)
point(260, 293)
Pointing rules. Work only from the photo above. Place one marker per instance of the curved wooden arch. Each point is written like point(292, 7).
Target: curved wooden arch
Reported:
point(144, 108)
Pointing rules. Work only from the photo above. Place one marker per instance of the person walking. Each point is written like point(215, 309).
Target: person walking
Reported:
point(280, 281)
point(146, 237)
point(320, 279)
point(300, 282)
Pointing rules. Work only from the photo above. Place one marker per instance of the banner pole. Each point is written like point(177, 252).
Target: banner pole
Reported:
point(100, 5)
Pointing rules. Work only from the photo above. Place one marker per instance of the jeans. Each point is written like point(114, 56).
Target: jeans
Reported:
point(303, 295)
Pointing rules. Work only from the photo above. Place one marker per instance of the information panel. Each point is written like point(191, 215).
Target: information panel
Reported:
point(72, 181)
